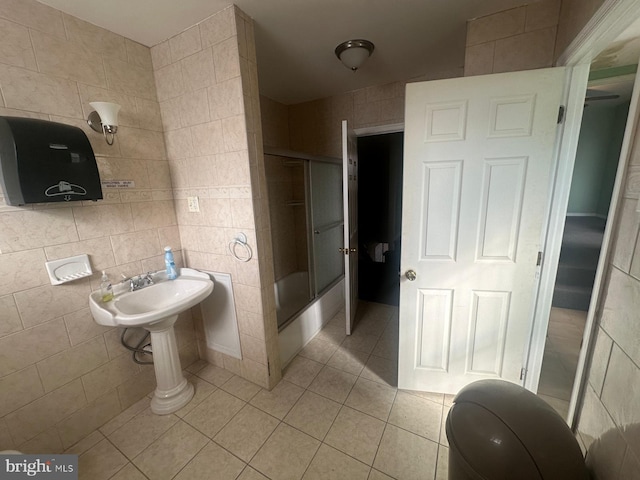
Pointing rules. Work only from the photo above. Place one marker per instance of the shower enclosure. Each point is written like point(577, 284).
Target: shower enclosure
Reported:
point(305, 208)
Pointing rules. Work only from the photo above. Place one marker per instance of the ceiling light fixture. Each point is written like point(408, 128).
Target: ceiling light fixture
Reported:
point(104, 119)
point(353, 53)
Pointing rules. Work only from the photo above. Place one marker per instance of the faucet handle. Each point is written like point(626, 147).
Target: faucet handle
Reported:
point(131, 281)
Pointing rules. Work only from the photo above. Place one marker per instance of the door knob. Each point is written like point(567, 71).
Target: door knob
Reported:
point(411, 275)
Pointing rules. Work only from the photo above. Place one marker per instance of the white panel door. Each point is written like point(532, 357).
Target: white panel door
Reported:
point(350, 205)
point(477, 170)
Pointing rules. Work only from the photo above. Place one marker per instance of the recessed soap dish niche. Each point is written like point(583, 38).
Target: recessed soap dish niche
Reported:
point(69, 269)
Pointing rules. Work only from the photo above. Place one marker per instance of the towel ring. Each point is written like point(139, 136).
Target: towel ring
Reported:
point(241, 239)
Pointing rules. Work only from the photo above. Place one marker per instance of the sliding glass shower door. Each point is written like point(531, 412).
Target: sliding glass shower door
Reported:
point(327, 222)
point(305, 208)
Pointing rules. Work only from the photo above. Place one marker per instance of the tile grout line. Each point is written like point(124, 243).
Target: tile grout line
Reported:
point(192, 458)
point(125, 456)
point(281, 421)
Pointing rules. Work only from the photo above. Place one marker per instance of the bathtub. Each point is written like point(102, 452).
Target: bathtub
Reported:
point(309, 321)
point(292, 294)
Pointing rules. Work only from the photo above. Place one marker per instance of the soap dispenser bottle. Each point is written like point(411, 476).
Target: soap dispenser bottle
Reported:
point(106, 289)
point(169, 263)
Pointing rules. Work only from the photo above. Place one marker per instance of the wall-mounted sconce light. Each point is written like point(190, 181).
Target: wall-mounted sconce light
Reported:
point(353, 53)
point(104, 119)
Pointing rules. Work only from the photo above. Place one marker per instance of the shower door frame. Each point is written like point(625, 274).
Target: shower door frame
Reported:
point(306, 159)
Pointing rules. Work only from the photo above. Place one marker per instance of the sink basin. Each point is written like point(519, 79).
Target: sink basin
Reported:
point(156, 308)
point(153, 303)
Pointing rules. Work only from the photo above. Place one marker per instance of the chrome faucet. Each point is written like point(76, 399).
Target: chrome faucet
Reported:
point(141, 281)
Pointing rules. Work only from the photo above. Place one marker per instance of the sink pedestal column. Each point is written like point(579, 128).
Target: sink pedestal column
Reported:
point(173, 391)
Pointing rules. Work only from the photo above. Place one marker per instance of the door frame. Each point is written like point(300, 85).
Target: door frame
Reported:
point(611, 19)
point(350, 232)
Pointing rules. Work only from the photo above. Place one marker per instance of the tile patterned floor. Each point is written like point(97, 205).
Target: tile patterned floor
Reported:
point(336, 414)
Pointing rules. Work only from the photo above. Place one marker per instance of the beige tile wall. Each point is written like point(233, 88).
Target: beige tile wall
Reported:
point(315, 127)
point(61, 374)
point(208, 92)
point(275, 123)
point(574, 15)
point(528, 37)
point(609, 424)
point(517, 39)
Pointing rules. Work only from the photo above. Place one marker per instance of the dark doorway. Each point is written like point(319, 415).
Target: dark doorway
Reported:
point(380, 217)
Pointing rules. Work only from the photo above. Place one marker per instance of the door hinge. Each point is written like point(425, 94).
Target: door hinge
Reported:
point(561, 112)
point(539, 260)
point(523, 373)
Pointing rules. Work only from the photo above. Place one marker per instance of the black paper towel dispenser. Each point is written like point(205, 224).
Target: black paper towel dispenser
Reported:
point(43, 162)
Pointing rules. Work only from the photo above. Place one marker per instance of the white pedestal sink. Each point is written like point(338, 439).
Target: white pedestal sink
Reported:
point(155, 308)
